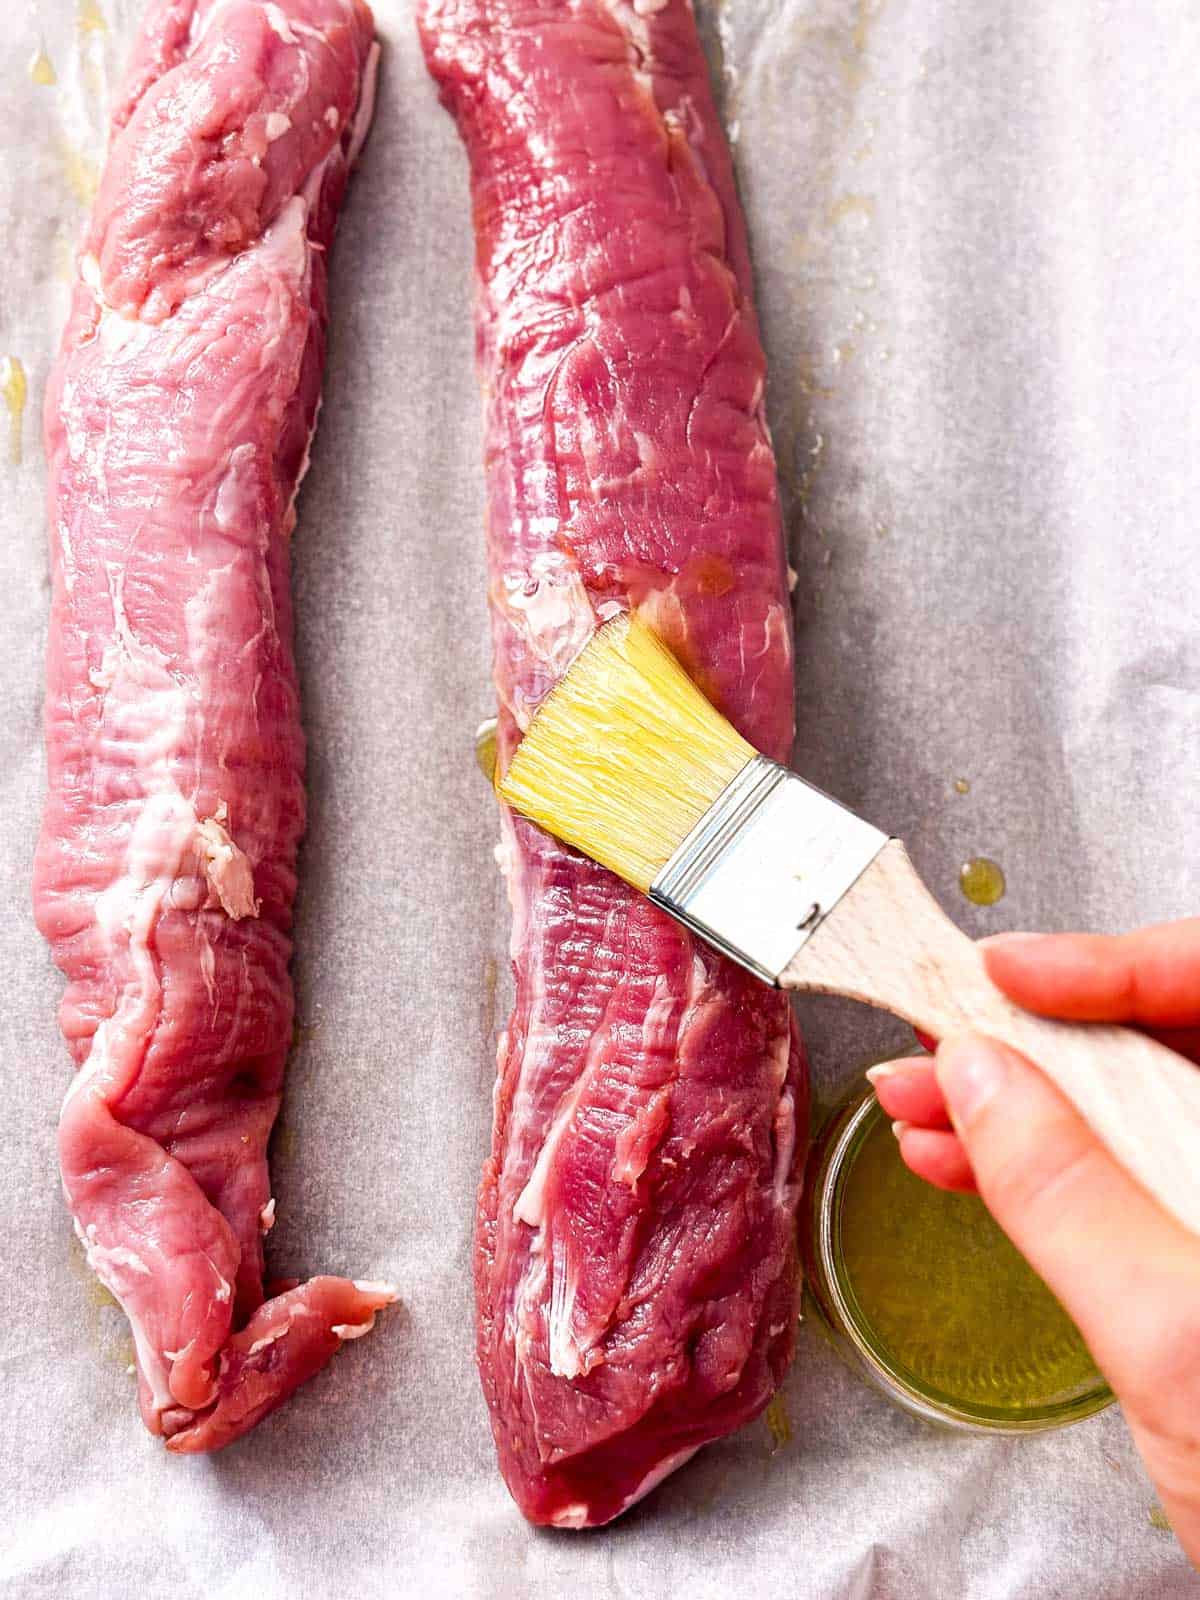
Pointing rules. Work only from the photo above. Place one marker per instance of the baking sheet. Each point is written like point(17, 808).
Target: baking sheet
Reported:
point(975, 230)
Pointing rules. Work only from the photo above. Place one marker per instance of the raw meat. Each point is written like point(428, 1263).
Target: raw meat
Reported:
point(635, 1267)
point(177, 425)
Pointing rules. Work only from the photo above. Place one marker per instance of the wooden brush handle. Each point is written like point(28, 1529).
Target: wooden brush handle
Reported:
point(888, 943)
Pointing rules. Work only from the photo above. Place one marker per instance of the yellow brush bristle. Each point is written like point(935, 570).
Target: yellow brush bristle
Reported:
point(625, 755)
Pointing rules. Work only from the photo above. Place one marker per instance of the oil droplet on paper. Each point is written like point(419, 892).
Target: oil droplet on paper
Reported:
point(962, 786)
point(867, 15)
point(982, 881)
point(859, 206)
point(97, 1294)
point(89, 18)
point(485, 749)
point(302, 1032)
point(81, 173)
point(777, 1420)
point(41, 70)
point(125, 1355)
point(487, 1008)
point(15, 390)
point(63, 256)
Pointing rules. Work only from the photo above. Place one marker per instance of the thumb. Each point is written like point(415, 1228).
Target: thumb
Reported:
point(1125, 1270)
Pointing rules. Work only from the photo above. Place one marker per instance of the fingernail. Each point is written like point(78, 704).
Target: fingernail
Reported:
point(900, 1128)
point(1014, 939)
point(971, 1072)
point(882, 1070)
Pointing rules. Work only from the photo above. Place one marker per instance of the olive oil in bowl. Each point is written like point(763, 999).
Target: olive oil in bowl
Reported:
point(928, 1298)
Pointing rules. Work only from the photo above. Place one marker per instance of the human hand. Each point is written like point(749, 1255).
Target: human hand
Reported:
point(980, 1116)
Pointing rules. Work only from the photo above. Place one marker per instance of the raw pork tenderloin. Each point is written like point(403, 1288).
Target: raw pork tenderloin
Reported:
point(635, 1266)
point(177, 424)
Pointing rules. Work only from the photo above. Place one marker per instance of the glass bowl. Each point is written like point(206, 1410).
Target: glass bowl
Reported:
point(925, 1297)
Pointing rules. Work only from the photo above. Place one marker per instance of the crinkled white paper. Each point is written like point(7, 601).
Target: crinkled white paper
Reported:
point(976, 230)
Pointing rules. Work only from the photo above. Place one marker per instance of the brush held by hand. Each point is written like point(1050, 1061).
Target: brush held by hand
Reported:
point(627, 761)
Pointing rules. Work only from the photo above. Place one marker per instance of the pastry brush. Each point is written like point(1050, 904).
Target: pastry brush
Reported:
point(627, 761)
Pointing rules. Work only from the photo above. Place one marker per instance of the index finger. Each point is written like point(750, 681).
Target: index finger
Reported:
point(1151, 976)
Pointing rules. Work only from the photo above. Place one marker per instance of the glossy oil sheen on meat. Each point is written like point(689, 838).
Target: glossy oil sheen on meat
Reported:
point(177, 424)
point(635, 1271)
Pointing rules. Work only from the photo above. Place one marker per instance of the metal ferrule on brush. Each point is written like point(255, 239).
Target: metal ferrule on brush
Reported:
point(764, 866)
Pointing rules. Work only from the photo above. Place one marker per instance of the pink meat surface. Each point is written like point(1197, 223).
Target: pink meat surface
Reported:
point(177, 424)
point(635, 1265)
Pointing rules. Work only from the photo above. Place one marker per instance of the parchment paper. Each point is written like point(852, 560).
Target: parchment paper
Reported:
point(975, 230)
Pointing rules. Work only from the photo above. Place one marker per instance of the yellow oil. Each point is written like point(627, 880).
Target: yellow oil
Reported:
point(110, 1335)
point(302, 1032)
point(15, 390)
point(866, 14)
point(80, 171)
point(962, 786)
point(778, 1423)
point(489, 1021)
point(89, 18)
point(41, 70)
point(982, 881)
point(485, 749)
point(942, 1294)
point(851, 205)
